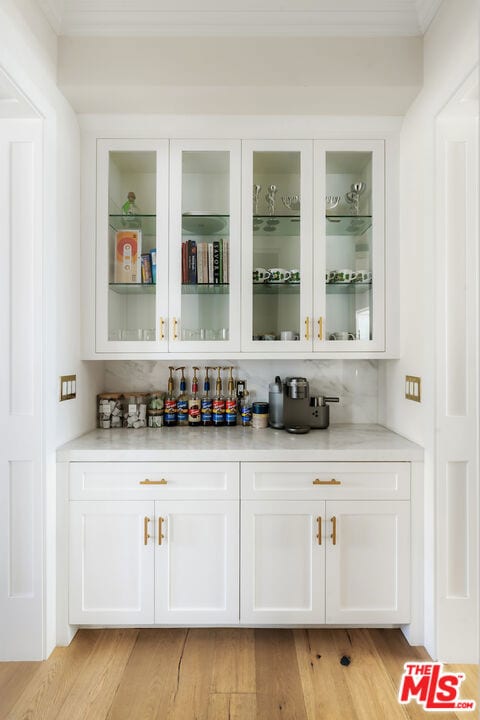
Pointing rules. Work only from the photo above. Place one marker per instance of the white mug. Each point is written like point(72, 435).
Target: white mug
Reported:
point(260, 275)
point(341, 335)
point(287, 335)
point(279, 275)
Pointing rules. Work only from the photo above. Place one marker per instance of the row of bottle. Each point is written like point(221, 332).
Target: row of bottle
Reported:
point(206, 409)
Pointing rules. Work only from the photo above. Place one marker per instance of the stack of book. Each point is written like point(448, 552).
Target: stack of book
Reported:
point(205, 263)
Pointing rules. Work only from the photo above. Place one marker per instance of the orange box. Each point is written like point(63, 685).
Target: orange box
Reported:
point(128, 248)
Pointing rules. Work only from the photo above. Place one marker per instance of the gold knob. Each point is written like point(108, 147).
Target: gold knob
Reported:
point(153, 482)
point(175, 329)
point(146, 520)
point(320, 328)
point(319, 534)
point(334, 530)
point(162, 326)
point(317, 481)
point(307, 328)
point(161, 536)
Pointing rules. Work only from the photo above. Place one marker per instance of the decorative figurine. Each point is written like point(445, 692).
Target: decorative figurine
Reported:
point(270, 198)
point(353, 197)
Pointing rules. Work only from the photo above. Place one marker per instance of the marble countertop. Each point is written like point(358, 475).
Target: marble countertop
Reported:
point(354, 442)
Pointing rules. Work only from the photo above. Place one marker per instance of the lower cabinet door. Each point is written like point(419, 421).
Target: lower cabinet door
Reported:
point(283, 562)
point(368, 562)
point(196, 562)
point(111, 562)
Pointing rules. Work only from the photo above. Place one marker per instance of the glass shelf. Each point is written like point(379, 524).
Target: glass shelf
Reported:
point(348, 288)
point(288, 225)
point(205, 224)
point(133, 288)
point(276, 289)
point(206, 289)
point(348, 224)
point(146, 223)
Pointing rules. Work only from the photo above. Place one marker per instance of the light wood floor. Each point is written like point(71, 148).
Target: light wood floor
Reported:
point(205, 674)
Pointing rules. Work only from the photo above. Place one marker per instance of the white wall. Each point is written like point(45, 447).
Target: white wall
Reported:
point(450, 54)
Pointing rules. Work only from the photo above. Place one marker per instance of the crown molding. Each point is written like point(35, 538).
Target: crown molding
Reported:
point(53, 11)
point(426, 11)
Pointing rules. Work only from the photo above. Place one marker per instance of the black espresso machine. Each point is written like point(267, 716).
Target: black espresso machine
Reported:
point(302, 412)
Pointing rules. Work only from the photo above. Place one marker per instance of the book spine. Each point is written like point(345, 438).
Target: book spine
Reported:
point(220, 262)
point(184, 263)
point(210, 263)
point(205, 262)
point(216, 262)
point(226, 261)
point(200, 279)
point(193, 273)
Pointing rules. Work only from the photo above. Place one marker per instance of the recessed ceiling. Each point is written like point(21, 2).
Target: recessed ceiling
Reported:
point(240, 17)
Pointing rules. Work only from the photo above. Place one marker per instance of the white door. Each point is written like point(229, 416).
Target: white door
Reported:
point(21, 384)
point(368, 561)
point(196, 562)
point(132, 246)
point(277, 180)
point(349, 246)
point(111, 562)
point(282, 562)
point(204, 277)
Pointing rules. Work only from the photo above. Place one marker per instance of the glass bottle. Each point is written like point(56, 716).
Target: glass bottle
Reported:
point(246, 409)
point(206, 401)
point(231, 401)
point(170, 414)
point(182, 400)
point(218, 415)
point(194, 416)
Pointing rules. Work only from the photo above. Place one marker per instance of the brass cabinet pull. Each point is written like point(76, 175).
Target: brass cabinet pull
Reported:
point(161, 536)
point(319, 534)
point(162, 326)
point(334, 530)
point(317, 481)
point(153, 482)
point(320, 328)
point(175, 329)
point(307, 328)
point(146, 520)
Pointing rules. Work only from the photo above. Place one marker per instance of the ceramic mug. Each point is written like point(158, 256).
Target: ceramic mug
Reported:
point(269, 336)
point(345, 276)
point(279, 275)
point(363, 276)
point(260, 275)
point(294, 276)
point(287, 335)
point(341, 335)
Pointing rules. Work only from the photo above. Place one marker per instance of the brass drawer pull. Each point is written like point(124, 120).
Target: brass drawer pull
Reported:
point(319, 534)
point(146, 520)
point(334, 530)
point(317, 481)
point(175, 329)
point(161, 536)
point(307, 328)
point(320, 328)
point(153, 482)
point(162, 332)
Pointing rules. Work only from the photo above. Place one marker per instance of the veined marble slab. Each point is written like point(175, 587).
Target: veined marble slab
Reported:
point(347, 442)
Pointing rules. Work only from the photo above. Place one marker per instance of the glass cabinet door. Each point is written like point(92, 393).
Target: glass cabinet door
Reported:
point(205, 246)
point(277, 237)
point(131, 245)
point(350, 249)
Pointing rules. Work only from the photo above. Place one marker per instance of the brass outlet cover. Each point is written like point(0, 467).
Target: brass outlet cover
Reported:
point(413, 388)
point(68, 387)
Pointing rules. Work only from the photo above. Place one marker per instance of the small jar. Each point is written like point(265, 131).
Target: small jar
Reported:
point(259, 415)
point(155, 409)
point(135, 410)
point(109, 410)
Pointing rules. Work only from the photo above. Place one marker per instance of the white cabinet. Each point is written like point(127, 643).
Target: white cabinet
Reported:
point(325, 559)
point(261, 246)
point(111, 562)
point(159, 560)
point(283, 563)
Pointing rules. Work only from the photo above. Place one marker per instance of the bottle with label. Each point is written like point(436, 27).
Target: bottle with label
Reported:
point(206, 403)
point(170, 412)
point(194, 417)
point(246, 409)
point(218, 414)
point(231, 401)
point(182, 400)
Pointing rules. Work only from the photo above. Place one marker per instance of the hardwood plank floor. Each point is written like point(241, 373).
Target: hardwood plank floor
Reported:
point(221, 674)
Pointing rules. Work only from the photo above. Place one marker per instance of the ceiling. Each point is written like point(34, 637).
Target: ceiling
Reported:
point(240, 17)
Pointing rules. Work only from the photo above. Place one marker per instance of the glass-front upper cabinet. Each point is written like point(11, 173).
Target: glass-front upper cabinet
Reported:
point(349, 246)
point(277, 246)
point(132, 246)
point(205, 245)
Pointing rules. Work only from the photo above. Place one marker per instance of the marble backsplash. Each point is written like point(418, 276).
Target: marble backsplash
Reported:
point(355, 382)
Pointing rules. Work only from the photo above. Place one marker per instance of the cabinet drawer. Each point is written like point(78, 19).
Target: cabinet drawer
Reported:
point(154, 481)
point(325, 481)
